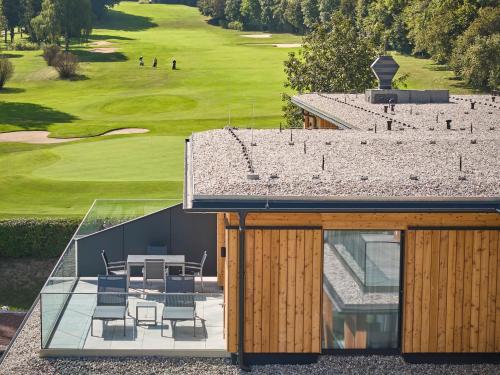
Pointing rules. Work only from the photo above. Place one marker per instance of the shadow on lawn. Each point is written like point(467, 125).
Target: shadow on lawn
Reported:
point(117, 20)
point(89, 56)
point(11, 90)
point(31, 116)
point(10, 55)
point(108, 37)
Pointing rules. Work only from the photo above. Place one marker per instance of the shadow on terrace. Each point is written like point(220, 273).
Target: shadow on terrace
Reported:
point(136, 277)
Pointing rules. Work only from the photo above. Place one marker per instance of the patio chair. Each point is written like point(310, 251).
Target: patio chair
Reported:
point(113, 268)
point(179, 306)
point(110, 306)
point(156, 250)
point(154, 269)
point(196, 269)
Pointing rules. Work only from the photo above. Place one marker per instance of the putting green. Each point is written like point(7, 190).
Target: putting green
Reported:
point(146, 158)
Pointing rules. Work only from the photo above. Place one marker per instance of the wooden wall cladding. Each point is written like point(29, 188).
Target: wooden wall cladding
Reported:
point(221, 242)
point(451, 291)
point(283, 281)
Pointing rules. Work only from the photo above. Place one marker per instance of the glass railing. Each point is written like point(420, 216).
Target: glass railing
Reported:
point(58, 285)
point(109, 212)
point(373, 257)
point(191, 321)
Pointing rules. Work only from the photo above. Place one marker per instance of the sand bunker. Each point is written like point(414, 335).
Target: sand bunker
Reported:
point(104, 50)
point(279, 45)
point(127, 131)
point(101, 43)
point(42, 137)
point(257, 36)
point(37, 137)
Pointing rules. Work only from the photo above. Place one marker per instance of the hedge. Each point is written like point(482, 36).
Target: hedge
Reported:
point(39, 238)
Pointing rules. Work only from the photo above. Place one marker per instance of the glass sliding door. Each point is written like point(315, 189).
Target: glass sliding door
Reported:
point(361, 289)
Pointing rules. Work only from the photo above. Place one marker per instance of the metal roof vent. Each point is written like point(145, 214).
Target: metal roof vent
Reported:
point(385, 68)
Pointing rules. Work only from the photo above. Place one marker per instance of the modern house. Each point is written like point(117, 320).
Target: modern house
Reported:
point(382, 237)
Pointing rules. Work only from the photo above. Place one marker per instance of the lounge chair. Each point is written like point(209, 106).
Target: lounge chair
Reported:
point(111, 306)
point(179, 306)
point(154, 269)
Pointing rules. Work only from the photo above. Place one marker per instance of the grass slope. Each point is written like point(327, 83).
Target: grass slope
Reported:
point(220, 75)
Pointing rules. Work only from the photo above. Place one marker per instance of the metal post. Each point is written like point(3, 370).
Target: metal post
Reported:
point(241, 291)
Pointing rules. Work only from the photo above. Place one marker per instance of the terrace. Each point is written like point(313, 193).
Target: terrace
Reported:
point(123, 229)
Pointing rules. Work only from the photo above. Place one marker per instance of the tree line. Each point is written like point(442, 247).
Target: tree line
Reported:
point(464, 34)
point(50, 21)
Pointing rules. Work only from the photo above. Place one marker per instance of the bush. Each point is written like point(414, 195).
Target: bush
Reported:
point(6, 71)
point(50, 53)
point(40, 238)
point(66, 64)
point(23, 45)
point(235, 25)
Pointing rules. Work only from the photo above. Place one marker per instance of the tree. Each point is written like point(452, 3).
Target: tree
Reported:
point(212, 8)
point(476, 54)
point(12, 13)
point(27, 13)
point(3, 21)
point(334, 58)
point(310, 11)
point(232, 10)
point(6, 71)
point(70, 19)
point(99, 7)
point(327, 7)
point(250, 12)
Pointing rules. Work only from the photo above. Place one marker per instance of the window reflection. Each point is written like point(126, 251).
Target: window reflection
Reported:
point(361, 289)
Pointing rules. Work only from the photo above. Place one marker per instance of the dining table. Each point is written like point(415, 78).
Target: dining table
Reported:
point(135, 260)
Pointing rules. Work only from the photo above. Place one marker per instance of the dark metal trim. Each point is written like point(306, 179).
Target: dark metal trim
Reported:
point(452, 358)
point(453, 228)
point(241, 294)
point(351, 205)
point(281, 358)
point(276, 227)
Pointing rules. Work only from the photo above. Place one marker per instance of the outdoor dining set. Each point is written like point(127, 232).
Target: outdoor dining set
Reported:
point(179, 290)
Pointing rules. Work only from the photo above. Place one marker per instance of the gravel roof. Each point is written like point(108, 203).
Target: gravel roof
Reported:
point(357, 112)
point(23, 358)
point(417, 163)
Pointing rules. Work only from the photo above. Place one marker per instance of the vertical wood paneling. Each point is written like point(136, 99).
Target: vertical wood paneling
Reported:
point(221, 242)
point(442, 287)
point(451, 298)
point(266, 290)
point(231, 300)
point(308, 289)
point(275, 273)
point(299, 292)
point(317, 290)
point(408, 289)
point(249, 288)
point(450, 293)
point(283, 289)
point(257, 293)
point(290, 300)
point(417, 295)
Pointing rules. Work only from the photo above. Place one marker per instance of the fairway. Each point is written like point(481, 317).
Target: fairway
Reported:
point(222, 78)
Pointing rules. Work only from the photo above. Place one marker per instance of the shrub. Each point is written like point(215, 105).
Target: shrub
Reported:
point(66, 64)
point(235, 25)
point(6, 71)
point(40, 238)
point(23, 45)
point(50, 53)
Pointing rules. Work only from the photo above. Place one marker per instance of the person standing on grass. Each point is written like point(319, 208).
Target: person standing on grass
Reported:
point(155, 62)
point(174, 65)
point(141, 61)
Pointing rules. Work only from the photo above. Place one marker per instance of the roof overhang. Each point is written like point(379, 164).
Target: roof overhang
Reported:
point(350, 204)
point(325, 116)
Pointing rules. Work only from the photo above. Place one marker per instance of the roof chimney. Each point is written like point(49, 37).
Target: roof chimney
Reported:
point(385, 68)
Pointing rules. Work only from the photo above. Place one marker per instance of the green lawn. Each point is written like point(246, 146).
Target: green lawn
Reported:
point(221, 75)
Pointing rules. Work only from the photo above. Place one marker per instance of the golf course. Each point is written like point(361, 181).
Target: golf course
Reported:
point(222, 77)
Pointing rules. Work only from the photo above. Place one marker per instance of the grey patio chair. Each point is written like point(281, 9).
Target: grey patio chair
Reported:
point(196, 269)
point(113, 268)
point(154, 269)
point(111, 306)
point(156, 250)
point(180, 305)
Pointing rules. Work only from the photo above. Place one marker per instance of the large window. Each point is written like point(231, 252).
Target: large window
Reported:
point(361, 289)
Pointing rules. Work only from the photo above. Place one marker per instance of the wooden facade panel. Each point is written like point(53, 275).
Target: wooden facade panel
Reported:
point(231, 290)
point(249, 275)
point(221, 242)
point(451, 291)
